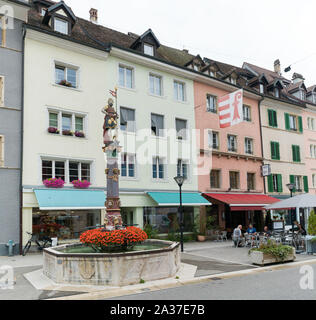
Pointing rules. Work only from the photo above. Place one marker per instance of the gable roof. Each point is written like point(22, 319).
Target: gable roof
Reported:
point(59, 6)
point(145, 34)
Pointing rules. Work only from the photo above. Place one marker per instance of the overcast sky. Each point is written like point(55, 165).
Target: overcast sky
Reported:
point(231, 31)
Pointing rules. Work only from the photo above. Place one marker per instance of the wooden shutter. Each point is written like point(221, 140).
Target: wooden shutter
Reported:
point(300, 124)
point(270, 115)
point(272, 150)
point(292, 180)
point(277, 150)
point(287, 121)
point(305, 179)
point(280, 186)
point(275, 119)
point(270, 183)
point(298, 154)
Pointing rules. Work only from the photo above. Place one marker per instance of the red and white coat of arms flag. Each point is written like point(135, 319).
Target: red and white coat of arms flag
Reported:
point(230, 109)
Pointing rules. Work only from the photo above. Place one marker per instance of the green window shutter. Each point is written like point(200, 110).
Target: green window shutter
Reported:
point(305, 179)
point(300, 124)
point(273, 155)
point(277, 147)
point(292, 180)
point(293, 153)
point(280, 187)
point(287, 121)
point(270, 183)
point(270, 117)
point(298, 154)
point(275, 119)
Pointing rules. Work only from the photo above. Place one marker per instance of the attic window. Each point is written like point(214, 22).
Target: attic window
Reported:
point(61, 26)
point(261, 88)
point(148, 49)
point(277, 92)
point(43, 12)
point(303, 95)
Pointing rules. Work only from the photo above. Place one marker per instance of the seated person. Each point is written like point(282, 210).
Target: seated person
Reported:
point(300, 229)
point(251, 230)
point(237, 235)
point(266, 232)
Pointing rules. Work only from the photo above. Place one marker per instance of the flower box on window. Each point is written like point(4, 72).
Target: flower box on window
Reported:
point(79, 134)
point(54, 183)
point(68, 133)
point(65, 83)
point(81, 184)
point(53, 130)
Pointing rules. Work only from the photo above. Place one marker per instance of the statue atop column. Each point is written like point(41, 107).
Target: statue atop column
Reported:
point(111, 148)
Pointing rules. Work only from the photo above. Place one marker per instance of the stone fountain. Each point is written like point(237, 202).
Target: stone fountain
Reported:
point(77, 264)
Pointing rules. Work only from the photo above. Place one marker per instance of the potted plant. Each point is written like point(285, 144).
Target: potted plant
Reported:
point(65, 83)
point(81, 184)
point(67, 133)
point(271, 253)
point(311, 238)
point(54, 183)
point(53, 130)
point(79, 134)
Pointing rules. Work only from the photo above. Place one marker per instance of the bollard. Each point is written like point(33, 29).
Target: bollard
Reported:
point(10, 246)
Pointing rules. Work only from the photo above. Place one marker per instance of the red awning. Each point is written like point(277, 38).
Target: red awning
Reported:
point(242, 202)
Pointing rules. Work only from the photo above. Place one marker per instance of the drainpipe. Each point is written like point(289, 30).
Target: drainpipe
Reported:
point(262, 153)
point(22, 135)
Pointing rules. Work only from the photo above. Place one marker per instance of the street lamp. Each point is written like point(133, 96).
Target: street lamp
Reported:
point(179, 180)
point(291, 187)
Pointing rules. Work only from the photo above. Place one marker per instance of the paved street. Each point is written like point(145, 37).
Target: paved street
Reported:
point(269, 285)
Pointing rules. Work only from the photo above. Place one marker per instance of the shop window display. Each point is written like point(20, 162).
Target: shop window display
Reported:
point(64, 225)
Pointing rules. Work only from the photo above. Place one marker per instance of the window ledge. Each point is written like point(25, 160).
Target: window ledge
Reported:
point(66, 136)
point(160, 180)
point(180, 101)
point(156, 95)
point(65, 87)
point(128, 89)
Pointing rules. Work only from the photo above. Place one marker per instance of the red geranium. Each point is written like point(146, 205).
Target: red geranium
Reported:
point(104, 241)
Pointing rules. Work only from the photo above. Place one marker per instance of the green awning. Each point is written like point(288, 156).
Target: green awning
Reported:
point(173, 199)
point(56, 199)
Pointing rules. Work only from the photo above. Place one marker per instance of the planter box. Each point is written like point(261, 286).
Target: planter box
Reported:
point(310, 246)
point(201, 238)
point(262, 259)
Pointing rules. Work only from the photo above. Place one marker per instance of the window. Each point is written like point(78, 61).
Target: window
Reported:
point(57, 169)
point(213, 140)
point(157, 125)
point(126, 77)
point(261, 88)
point(303, 95)
point(179, 91)
point(273, 121)
point(251, 181)
point(181, 127)
point(234, 179)
point(3, 29)
point(1, 151)
point(211, 103)
point(312, 151)
point(155, 85)
point(61, 26)
point(293, 122)
point(128, 165)
point(53, 120)
point(296, 153)
point(43, 11)
point(298, 183)
point(127, 119)
point(148, 49)
point(66, 76)
point(275, 183)
point(314, 180)
point(246, 113)
point(158, 168)
point(232, 143)
point(215, 179)
point(248, 146)
point(68, 123)
point(233, 80)
point(311, 123)
point(182, 169)
point(277, 92)
point(1, 91)
point(275, 150)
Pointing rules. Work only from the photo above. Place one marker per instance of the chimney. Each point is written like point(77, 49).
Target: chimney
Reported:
point(277, 67)
point(297, 78)
point(93, 15)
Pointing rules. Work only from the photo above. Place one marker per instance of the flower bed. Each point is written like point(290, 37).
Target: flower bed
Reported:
point(116, 240)
point(84, 184)
point(54, 183)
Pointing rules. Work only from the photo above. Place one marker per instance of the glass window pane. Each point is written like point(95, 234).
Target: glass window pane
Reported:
point(47, 169)
point(60, 170)
point(122, 76)
point(151, 84)
point(129, 78)
point(79, 123)
point(73, 171)
point(59, 74)
point(61, 26)
point(66, 122)
point(85, 171)
point(53, 120)
point(72, 77)
point(154, 170)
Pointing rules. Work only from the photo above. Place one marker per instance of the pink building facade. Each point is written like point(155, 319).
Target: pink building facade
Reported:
point(230, 158)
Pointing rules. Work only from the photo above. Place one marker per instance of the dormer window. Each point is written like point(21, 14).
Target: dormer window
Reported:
point(277, 92)
point(303, 95)
point(61, 26)
point(261, 88)
point(43, 12)
point(196, 67)
point(148, 49)
point(233, 80)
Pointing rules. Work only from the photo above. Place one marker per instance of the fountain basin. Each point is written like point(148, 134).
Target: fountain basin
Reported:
point(112, 269)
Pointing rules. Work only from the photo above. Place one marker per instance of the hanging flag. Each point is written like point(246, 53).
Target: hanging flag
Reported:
point(230, 109)
point(113, 93)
